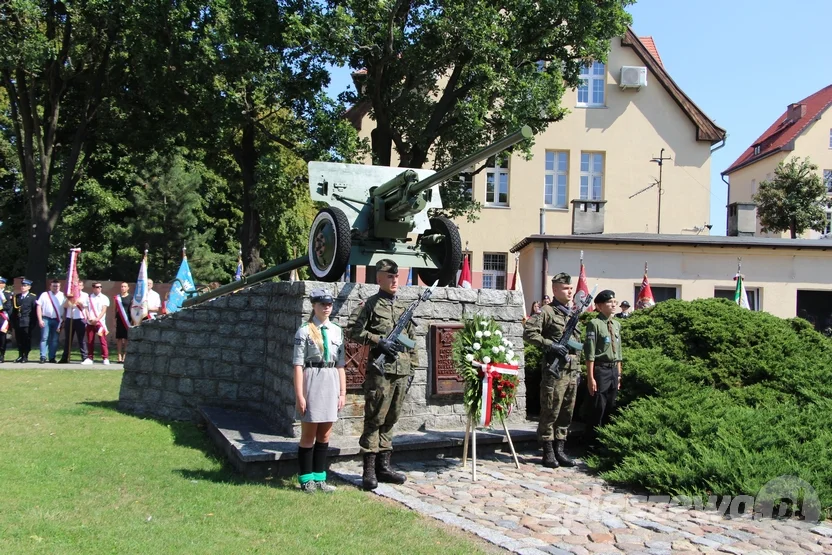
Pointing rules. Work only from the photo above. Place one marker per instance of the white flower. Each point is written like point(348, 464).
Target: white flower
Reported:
point(498, 333)
point(469, 357)
point(487, 333)
point(512, 362)
point(501, 349)
point(478, 334)
point(510, 354)
point(476, 346)
point(486, 360)
point(509, 344)
point(495, 350)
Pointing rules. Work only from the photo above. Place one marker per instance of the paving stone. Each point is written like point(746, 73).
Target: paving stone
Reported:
point(825, 531)
point(576, 540)
point(601, 538)
point(658, 545)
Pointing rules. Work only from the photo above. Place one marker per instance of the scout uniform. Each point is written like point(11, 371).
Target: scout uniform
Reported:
point(557, 394)
point(383, 395)
point(321, 388)
point(5, 315)
point(24, 320)
point(603, 347)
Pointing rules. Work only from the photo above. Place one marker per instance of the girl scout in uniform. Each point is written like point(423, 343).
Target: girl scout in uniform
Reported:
point(320, 389)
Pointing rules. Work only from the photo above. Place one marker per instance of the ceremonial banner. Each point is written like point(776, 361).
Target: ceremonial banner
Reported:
point(582, 289)
point(238, 275)
point(740, 294)
point(183, 283)
point(72, 288)
point(517, 285)
point(138, 309)
point(4, 322)
point(645, 294)
point(465, 275)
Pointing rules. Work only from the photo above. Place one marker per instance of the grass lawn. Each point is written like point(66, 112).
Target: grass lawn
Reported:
point(76, 476)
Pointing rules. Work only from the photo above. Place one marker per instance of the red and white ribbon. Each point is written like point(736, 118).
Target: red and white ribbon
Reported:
point(121, 312)
point(4, 322)
point(101, 326)
point(489, 372)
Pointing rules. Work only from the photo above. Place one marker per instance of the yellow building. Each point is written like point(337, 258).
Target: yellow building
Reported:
point(803, 130)
point(628, 112)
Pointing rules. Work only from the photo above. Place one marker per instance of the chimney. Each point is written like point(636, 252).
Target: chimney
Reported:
point(587, 216)
point(742, 219)
point(795, 111)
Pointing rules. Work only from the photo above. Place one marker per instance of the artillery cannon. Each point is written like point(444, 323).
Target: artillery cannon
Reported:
point(365, 222)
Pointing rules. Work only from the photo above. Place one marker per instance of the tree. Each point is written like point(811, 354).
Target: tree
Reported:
point(444, 78)
point(795, 200)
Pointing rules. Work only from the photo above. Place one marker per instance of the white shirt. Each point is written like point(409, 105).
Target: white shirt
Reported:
point(84, 299)
point(98, 302)
point(154, 301)
point(46, 306)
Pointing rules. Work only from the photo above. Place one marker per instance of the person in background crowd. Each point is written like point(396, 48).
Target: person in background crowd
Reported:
point(122, 319)
point(626, 311)
point(154, 302)
point(5, 318)
point(320, 389)
point(50, 320)
point(535, 308)
point(546, 300)
point(97, 324)
point(24, 319)
point(74, 326)
point(602, 352)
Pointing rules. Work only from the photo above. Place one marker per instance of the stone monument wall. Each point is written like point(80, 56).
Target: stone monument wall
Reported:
point(235, 351)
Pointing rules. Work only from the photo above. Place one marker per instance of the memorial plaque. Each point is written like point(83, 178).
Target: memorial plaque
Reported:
point(445, 379)
point(355, 361)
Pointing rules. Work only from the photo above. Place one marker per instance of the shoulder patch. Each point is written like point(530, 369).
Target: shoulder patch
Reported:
point(299, 340)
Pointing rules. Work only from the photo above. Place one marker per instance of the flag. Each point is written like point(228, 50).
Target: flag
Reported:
point(411, 278)
point(582, 289)
point(465, 275)
point(293, 275)
point(138, 309)
point(238, 275)
point(645, 294)
point(517, 285)
point(72, 288)
point(740, 294)
point(183, 283)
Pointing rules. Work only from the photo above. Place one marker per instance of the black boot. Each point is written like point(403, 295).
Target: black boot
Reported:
point(19, 359)
point(43, 360)
point(549, 460)
point(385, 473)
point(368, 480)
point(561, 456)
point(2, 357)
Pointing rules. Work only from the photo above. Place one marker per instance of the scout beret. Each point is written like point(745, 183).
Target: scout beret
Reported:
point(387, 265)
point(625, 304)
point(605, 296)
point(321, 296)
point(562, 277)
point(26, 282)
point(2, 280)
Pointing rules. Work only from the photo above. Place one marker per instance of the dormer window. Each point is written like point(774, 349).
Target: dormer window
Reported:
point(756, 150)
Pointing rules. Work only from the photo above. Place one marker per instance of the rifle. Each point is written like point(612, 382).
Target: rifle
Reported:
point(568, 329)
point(397, 333)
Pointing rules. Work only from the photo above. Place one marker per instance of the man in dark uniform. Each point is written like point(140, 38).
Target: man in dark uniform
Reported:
point(602, 350)
point(24, 319)
point(625, 310)
point(557, 393)
point(5, 317)
point(384, 394)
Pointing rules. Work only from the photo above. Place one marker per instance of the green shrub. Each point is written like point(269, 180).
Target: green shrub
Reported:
point(718, 400)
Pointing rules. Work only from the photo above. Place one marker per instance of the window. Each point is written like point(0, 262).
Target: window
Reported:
point(827, 180)
point(592, 175)
point(830, 138)
point(493, 271)
point(756, 150)
point(593, 79)
point(557, 177)
point(496, 181)
point(753, 296)
point(466, 185)
point(753, 187)
point(659, 293)
point(828, 229)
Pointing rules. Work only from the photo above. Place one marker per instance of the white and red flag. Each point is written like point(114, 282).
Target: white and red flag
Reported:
point(465, 275)
point(139, 307)
point(582, 289)
point(72, 288)
point(645, 294)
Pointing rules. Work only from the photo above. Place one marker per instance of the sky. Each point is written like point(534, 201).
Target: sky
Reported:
point(741, 61)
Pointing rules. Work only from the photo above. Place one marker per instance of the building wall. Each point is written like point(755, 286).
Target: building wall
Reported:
point(629, 130)
point(696, 270)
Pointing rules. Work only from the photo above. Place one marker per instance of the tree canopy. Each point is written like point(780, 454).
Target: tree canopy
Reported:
point(794, 201)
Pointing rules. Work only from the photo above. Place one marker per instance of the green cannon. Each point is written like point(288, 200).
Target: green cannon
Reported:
point(372, 210)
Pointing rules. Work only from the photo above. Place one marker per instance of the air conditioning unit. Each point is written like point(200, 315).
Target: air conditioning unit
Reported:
point(633, 77)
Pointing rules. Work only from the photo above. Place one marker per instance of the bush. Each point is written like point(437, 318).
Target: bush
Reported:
point(718, 400)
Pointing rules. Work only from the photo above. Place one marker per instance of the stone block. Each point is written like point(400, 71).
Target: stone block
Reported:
point(160, 365)
point(157, 381)
point(130, 393)
point(492, 297)
point(197, 339)
point(186, 386)
point(249, 392)
point(460, 294)
point(141, 380)
point(152, 395)
point(231, 357)
point(170, 336)
point(447, 311)
point(151, 334)
point(227, 390)
point(249, 357)
point(171, 398)
point(205, 388)
point(222, 371)
point(177, 366)
point(259, 302)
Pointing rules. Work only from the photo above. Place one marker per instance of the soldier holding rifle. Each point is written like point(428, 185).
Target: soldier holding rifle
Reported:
point(558, 387)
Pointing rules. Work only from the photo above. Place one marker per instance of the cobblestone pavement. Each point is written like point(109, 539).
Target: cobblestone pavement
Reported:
point(536, 510)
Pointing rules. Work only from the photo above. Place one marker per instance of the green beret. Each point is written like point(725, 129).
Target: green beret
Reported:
point(562, 277)
point(387, 265)
point(605, 296)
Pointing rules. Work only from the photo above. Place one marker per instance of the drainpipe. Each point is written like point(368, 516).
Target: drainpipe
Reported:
point(542, 221)
point(545, 270)
point(727, 201)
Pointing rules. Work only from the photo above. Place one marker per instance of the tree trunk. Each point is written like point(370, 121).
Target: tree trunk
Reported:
point(382, 146)
point(793, 228)
point(38, 256)
point(246, 156)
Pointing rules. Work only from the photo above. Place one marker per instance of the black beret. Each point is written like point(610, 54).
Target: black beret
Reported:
point(605, 296)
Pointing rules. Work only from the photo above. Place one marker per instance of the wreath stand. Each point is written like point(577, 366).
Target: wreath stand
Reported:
point(471, 429)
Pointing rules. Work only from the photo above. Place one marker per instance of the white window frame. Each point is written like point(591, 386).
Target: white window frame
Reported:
point(753, 293)
point(756, 150)
point(556, 180)
point(491, 273)
point(753, 187)
point(828, 229)
point(589, 176)
point(830, 138)
point(494, 175)
point(827, 180)
point(593, 81)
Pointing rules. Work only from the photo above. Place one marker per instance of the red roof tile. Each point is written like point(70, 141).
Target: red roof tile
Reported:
point(650, 45)
point(783, 132)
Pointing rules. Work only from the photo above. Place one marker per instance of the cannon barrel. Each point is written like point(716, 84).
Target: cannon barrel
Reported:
point(454, 169)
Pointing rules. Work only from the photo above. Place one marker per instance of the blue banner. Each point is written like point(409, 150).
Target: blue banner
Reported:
point(183, 283)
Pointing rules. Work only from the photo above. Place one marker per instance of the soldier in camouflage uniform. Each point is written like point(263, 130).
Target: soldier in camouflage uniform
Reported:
point(557, 393)
point(383, 395)
point(602, 350)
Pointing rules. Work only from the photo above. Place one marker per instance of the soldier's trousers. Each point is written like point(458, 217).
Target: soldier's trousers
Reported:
point(557, 401)
point(606, 383)
point(24, 340)
point(383, 401)
point(2, 343)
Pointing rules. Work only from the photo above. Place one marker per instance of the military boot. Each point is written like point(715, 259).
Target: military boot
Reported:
point(368, 480)
point(2, 357)
point(549, 460)
point(385, 473)
point(561, 456)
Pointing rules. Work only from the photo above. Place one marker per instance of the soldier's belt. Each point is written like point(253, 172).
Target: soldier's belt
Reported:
point(320, 365)
point(606, 365)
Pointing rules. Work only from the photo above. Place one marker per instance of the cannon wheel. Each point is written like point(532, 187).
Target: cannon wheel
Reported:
point(450, 255)
point(329, 244)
